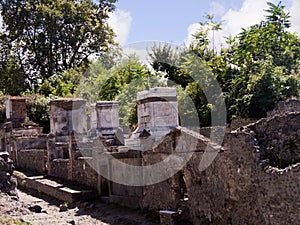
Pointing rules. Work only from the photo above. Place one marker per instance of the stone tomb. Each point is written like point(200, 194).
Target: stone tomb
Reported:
point(157, 116)
point(16, 110)
point(68, 116)
point(157, 111)
point(105, 118)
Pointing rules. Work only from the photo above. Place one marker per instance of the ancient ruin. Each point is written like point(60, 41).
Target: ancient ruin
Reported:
point(253, 180)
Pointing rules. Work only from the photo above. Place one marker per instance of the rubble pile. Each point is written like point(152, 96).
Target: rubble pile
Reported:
point(8, 184)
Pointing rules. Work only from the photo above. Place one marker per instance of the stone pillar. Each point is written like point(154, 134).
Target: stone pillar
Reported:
point(157, 111)
point(68, 115)
point(107, 118)
point(16, 110)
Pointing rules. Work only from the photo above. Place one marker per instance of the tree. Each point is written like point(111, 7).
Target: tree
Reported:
point(48, 37)
point(185, 69)
point(266, 56)
point(64, 84)
point(268, 38)
point(120, 83)
point(12, 79)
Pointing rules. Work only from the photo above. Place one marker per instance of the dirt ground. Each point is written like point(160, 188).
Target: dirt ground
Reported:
point(16, 211)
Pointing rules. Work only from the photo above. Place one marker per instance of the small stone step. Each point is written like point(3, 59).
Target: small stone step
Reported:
point(58, 189)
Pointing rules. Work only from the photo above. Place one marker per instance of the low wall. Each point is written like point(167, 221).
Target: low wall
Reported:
point(33, 159)
point(25, 143)
point(83, 173)
point(59, 168)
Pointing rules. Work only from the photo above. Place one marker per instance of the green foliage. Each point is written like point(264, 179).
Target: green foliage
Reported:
point(259, 67)
point(185, 69)
point(126, 72)
point(2, 109)
point(50, 37)
point(120, 83)
point(63, 85)
point(92, 81)
point(267, 59)
point(126, 98)
point(12, 79)
point(38, 111)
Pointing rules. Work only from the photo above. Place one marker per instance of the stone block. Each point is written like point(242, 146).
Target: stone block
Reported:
point(68, 116)
point(167, 217)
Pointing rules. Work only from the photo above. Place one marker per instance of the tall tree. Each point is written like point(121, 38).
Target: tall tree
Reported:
point(12, 79)
point(49, 36)
point(267, 57)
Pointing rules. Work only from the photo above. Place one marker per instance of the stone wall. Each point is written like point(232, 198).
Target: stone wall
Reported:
point(30, 152)
point(291, 105)
point(59, 168)
point(7, 182)
point(83, 173)
point(33, 159)
point(5, 134)
point(278, 137)
point(178, 145)
point(130, 196)
point(240, 187)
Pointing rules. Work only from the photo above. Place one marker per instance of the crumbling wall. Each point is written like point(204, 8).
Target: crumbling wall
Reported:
point(7, 182)
point(290, 105)
point(33, 159)
point(240, 186)
point(278, 138)
point(5, 134)
point(163, 195)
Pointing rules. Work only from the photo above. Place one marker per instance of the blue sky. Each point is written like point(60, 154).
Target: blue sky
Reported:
point(175, 21)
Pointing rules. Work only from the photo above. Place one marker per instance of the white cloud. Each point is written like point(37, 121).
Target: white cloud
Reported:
point(217, 9)
point(251, 12)
point(120, 21)
point(295, 16)
point(192, 29)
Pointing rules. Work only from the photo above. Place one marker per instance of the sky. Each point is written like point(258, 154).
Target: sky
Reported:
point(175, 21)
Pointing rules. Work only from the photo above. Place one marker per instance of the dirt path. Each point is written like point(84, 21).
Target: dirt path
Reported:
point(86, 213)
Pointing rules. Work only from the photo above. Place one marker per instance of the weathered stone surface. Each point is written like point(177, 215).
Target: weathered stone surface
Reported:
point(237, 189)
point(254, 178)
point(7, 183)
point(157, 111)
point(68, 116)
point(167, 217)
point(291, 105)
point(278, 139)
point(16, 110)
point(105, 118)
